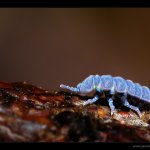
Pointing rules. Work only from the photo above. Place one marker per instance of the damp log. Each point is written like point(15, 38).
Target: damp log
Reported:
point(33, 114)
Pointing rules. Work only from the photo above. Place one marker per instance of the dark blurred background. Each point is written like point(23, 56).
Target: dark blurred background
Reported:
point(50, 46)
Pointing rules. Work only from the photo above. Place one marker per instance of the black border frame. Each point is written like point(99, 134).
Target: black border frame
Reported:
point(75, 3)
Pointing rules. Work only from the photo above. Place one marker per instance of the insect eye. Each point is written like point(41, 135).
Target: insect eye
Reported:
point(78, 86)
point(94, 86)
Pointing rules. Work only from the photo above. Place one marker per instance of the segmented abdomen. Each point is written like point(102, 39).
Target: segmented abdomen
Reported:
point(125, 86)
point(136, 90)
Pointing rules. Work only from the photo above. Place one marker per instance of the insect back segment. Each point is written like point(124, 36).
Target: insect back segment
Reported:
point(120, 85)
point(106, 82)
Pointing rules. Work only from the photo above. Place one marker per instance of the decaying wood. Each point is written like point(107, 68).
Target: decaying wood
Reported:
point(30, 113)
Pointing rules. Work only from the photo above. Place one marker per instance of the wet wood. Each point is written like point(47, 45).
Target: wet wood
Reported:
point(30, 113)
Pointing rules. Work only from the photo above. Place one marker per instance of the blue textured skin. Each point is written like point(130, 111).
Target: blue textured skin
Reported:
point(114, 86)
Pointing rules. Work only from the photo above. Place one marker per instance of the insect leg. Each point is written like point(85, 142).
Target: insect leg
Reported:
point(126, 103)
point(110, 100)
point(111, 105)
point(90, 101)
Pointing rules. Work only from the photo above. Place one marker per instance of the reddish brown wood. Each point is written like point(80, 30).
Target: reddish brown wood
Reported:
point(30, 113)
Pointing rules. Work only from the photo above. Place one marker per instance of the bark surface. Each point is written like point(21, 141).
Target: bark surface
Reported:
point(32, 114)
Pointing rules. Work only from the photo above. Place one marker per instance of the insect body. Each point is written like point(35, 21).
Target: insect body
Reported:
point(113, 86)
